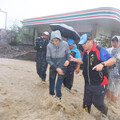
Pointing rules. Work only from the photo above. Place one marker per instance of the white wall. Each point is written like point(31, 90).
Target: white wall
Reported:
point(83, 28)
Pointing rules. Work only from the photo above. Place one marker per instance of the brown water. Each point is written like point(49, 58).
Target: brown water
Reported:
point(24, 97)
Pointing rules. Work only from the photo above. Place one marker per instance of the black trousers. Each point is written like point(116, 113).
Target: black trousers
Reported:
point(69, 77)
point(94, 94)
point(41, 67)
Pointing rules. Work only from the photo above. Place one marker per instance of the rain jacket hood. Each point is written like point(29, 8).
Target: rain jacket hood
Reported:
point(119, 42)
point(110, 49)
point(57, 55)
point(118, 37)
point(56, 34)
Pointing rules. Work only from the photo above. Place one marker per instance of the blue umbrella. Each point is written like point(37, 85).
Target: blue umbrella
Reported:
point(66, 31)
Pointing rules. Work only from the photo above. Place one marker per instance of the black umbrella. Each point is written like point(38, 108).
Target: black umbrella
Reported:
point(66, 31)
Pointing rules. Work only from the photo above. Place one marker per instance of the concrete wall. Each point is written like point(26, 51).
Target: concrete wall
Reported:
point(83, 28)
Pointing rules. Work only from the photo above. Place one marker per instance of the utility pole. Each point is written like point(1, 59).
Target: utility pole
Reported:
point(3, 14)
point(3, 22)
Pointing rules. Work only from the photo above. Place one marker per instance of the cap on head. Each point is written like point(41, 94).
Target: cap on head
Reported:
point(84, 38)
point(45, 33)
point(70, 41)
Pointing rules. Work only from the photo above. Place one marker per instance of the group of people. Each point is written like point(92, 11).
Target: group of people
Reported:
point(64, 58)
point(56, 52)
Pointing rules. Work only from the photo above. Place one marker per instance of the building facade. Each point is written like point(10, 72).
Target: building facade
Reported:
point(102, 23)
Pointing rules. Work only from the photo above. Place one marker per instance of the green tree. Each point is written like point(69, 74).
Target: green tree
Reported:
point(13, 34)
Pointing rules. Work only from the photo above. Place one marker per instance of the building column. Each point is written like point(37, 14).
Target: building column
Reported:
point(94, 31)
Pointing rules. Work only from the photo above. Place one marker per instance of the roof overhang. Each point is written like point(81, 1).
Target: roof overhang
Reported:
point(107, 17)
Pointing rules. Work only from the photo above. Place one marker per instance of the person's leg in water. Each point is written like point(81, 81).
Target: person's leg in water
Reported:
point(98, 98)
point(69, 76)
point(108, 93)
point(58, 86)
point(38, 63)
point(113, 97)
point(65, 81)
point(87, 100)
point(52, 77)
point(38, 68)
point(116, 90)
point(115, 87)
point(43, 69)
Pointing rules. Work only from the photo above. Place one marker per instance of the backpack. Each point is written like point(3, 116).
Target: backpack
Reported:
point(40, 43)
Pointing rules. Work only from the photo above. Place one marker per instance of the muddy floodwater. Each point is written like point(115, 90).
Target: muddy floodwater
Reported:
point(24, 97)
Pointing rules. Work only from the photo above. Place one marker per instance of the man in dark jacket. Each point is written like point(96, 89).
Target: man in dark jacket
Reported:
point(95, 60)
point(41, 48)
point(73, 66)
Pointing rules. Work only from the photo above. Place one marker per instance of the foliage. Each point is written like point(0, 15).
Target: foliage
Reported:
point(17, 34)
point(13, 35)
point(105, 41)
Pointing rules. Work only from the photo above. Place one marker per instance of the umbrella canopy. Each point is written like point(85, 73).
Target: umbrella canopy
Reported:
point(66, 31)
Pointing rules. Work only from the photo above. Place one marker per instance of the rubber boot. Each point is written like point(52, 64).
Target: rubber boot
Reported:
point(43, 79)
point(105, 110)
point(87, 108)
